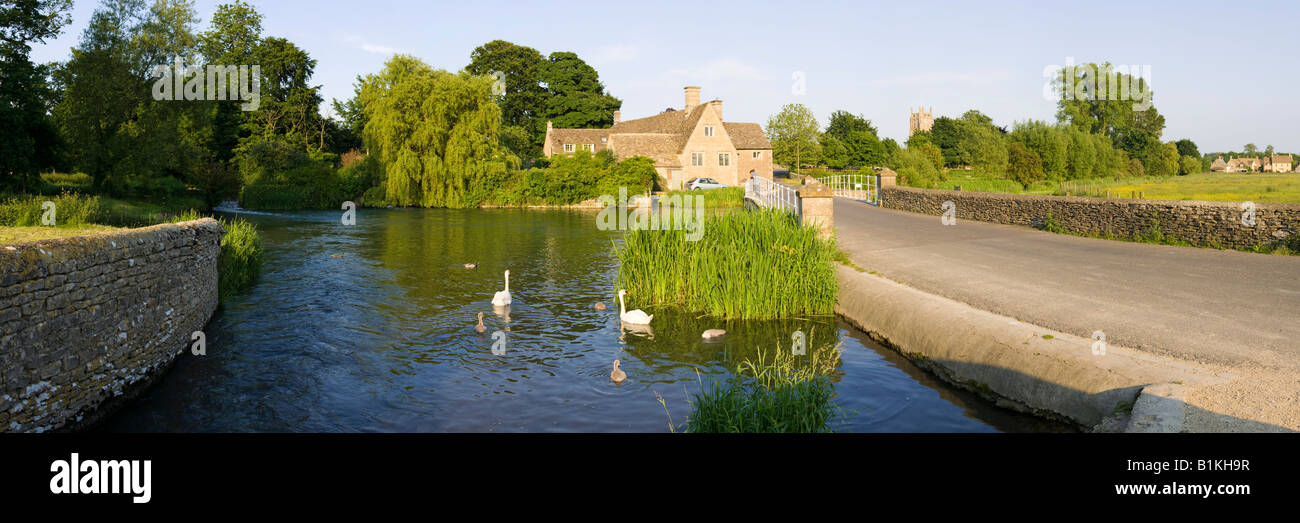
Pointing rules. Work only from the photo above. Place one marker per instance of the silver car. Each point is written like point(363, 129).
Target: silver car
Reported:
point(697, 184)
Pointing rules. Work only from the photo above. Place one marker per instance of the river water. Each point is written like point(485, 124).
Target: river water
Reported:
point(370, 327)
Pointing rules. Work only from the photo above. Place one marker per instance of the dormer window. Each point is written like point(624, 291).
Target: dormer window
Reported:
point(708, 130)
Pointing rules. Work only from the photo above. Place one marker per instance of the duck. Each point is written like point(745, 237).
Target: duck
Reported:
point(336, 255)
point(714, 333)
point(480, 328)
point(600, 306)
point(635, 317)
point(618, 375)
point(502, 298)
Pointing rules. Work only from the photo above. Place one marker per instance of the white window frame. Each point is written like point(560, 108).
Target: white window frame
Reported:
point(589, 147)
point(724, 159)
point(697, 159)
point(568, 147)
point(758, 154)
point(708, 130)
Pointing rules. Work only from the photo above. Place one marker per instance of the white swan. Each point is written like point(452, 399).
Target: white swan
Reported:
point(636, 317)
point(502, 298)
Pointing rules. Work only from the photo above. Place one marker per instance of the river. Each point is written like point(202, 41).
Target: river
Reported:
point(370, 327)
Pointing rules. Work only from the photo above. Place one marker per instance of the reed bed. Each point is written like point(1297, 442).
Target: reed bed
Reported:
point(783, 394)
point(746, 265)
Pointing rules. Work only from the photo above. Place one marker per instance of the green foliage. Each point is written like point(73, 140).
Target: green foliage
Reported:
point(436, 133)
point(1189, 165)
point(916, 167)
point(568, 179)
point(747, 265)
point(1023, 165)
point(1163, 161)
point(28, 138)
point(794, 133)
point(781, 395)
point(69, 209)
point(1134, 130)
point(240, 260)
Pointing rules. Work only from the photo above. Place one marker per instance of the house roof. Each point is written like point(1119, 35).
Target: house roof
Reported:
point(747, 135)
point(1281, 158)
point(661, 137)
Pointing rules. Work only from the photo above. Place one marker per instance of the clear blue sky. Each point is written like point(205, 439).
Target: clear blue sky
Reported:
point(1218, 88)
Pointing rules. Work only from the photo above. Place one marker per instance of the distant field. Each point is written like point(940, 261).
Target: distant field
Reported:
point(1232, 187)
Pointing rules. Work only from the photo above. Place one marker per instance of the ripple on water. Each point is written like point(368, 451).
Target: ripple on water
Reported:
point(382, 339)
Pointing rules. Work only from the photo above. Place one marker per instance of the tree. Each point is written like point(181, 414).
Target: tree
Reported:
point(1163, 162)
point(1268, 151)
point(1251, 149)
point(793, 133)
point(1023, 165)
point(1189, 165)
point(1135, 130)
point(1187, 147)
point(842, 123)
point(105, 86)
point(945, 134)
point(435, 133)
point(524, 98)
point(27, 137)
point(576, 98)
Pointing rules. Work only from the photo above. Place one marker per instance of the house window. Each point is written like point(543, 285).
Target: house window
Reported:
point(568, 147)
point(697, 159)
point(724, 159)
point(589, 147)
point(758, 154)
point(708, 130)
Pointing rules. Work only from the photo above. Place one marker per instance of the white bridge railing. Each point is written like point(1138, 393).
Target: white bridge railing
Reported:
point(864, 187)
point(767, 193)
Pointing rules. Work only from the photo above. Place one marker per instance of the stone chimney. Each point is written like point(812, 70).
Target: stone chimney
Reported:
point(692, 96)
point(548, 126)
point(618, 117)
point(717, 107)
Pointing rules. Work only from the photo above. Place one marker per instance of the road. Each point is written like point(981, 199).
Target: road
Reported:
point(1207, 305)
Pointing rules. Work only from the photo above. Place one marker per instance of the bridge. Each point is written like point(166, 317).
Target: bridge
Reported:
point(763, 192)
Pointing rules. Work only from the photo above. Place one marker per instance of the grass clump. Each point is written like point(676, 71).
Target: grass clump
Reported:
point(723, 197)
point(746, 265)
point(783, 394)
point(241, 257)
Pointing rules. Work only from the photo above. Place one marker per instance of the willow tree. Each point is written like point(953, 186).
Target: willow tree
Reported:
point(436, 133)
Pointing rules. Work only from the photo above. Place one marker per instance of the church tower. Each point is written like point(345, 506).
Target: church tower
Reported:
point(921, 120)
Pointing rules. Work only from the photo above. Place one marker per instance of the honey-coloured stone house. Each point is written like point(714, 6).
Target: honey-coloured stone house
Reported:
point(686, 143)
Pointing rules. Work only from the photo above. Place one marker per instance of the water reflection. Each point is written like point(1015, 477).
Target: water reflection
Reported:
point(383, 339)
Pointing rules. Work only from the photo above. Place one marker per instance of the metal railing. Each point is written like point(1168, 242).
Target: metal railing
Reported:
point(767, 193)
point(863, 187)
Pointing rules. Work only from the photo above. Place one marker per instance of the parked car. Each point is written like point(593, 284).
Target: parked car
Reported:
point(697, 184)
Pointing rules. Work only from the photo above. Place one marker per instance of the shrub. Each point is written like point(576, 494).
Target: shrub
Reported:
point(241, 257)
point(784, 394)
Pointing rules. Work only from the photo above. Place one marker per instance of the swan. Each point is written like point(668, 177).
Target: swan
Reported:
point(480, 328)
point(471, 265)
point(617, 376)
point(600, 306)
point(502, 298)
point(636, 317)
point(714, 333)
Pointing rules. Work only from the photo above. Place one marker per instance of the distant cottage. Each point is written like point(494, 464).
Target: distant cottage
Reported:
point(1277, 163)
point(693, 142)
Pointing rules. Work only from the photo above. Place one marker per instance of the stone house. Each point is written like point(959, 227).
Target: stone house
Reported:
point(1245, 164)
point(691, 142)
point(1218, 165)
point(1278, 163)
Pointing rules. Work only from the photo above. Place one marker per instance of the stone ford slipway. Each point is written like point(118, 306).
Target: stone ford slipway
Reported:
point(1218, 327)
point(88, 322)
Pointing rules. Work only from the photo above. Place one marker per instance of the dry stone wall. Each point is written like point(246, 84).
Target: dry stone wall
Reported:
point(86, 322)
point(1206, 224)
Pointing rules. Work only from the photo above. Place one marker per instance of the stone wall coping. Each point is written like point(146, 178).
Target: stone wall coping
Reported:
point(1085, 199)
point(26, 256)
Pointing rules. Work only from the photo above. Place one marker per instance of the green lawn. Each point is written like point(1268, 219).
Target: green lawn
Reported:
point(1230, 187)
point(10, 235)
